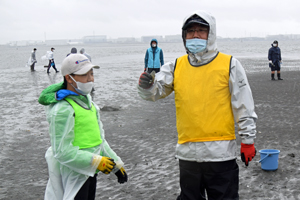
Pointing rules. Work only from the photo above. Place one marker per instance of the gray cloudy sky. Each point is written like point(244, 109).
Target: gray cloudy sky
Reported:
point(73, 19)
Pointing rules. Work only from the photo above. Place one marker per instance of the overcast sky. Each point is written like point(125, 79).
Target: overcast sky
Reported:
point(73, 19)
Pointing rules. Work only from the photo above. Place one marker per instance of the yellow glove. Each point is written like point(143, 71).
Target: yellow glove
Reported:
point(106, 165)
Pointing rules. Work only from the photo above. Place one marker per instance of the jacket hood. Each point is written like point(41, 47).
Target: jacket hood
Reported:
point(153, 40)
point(82, 51)
point(73, 50)
point(211, 49)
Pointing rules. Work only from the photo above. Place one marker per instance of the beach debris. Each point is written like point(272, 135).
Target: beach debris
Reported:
point(292, 155)
point(109, 108)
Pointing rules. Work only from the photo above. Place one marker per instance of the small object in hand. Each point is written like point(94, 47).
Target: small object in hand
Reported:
point(146, 80)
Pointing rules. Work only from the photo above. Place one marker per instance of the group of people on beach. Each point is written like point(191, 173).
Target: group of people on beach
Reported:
point(211, 94)
point(50, 56)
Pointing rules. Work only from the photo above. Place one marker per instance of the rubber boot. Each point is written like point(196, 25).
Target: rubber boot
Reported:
point(272, 75)
point(278, 76)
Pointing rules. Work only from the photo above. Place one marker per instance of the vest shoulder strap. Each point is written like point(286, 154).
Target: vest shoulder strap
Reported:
point(175, 65)
point(230, 65)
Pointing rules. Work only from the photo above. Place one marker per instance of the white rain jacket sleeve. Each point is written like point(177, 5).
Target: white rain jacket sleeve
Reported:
point(242, 102)
point(69, 167)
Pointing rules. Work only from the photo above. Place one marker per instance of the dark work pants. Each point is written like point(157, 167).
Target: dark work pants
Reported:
point(49, 66)
point(153, 69)
point(32, 66)
point(220, 180)
point(88, 190)
point(276, 67)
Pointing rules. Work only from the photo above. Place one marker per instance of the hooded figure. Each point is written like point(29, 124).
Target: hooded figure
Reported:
point(154, 57)
point(73, 50)
point(82, 51)
point(211, 94)
point(274, 57)
point(210, 51)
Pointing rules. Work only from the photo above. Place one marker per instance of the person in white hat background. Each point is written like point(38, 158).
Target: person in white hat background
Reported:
point(78, 148)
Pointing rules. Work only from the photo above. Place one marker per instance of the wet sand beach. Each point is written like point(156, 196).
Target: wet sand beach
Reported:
point(144, 135)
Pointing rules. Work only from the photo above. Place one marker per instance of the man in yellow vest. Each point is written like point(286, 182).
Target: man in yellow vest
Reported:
point(78, 147)
point(211, 94)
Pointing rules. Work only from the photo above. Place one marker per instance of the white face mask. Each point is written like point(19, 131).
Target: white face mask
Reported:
point(274, 44)
point(83, 88)
point(153, 45)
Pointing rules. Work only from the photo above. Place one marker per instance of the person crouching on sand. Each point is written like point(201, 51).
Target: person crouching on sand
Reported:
point(78, 148)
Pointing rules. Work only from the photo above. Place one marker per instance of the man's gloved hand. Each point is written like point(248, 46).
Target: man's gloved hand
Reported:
point(270, 61)
point(122, 176)
point(146, 80)
point(61, 94)
point(248, 152)
point(106, 165)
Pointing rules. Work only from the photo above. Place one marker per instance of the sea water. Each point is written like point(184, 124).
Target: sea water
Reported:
point(122, 64)
point(129, 55)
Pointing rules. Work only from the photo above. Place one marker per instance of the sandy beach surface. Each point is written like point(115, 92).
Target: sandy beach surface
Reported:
point(144, 134)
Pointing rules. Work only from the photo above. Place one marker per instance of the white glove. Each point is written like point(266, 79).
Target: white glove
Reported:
point(270, 61)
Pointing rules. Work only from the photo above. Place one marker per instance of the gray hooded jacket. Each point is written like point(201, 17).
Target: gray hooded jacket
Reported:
point(241, 101)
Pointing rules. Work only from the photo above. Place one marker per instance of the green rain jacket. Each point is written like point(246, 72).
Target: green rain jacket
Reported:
point(69, 167)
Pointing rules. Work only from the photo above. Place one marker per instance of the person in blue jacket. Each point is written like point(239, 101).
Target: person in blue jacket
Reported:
point(154, 57)
point(274, 57)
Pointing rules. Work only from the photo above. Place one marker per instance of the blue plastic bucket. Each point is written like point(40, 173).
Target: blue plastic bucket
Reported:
point(269, 159)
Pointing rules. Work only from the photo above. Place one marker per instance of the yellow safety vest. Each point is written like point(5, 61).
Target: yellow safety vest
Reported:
point(86, 130)
point(203, 100)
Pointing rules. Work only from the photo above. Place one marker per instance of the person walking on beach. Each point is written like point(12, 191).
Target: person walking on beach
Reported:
point(33, 60)
point(274, 57)
point(211, 94)
point(73, 50)
point(78, 149)
point(50, 57)
point(154, 57)
point(82, 51)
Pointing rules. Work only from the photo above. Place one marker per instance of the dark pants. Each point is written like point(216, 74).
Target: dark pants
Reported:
point(32, 66)
point(220, 180)
point(50, 64)
point(88, 190)
point(153, 69)
point(275, 66)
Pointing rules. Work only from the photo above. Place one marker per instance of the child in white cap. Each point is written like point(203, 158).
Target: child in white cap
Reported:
point(78, 147)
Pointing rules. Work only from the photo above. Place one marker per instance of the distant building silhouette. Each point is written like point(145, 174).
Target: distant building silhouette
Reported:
point(173, 38)
point(149, 38)
point(126, 40)
point(94, 39)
